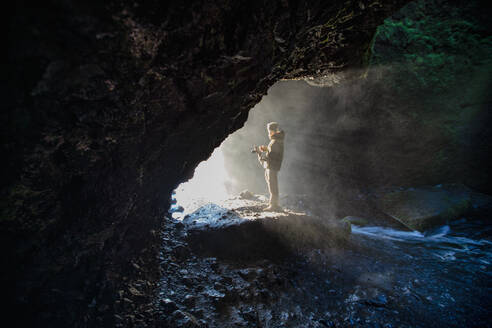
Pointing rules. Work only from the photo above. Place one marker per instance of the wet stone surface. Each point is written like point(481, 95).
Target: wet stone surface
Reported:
point(379, 277)
point(238, 229)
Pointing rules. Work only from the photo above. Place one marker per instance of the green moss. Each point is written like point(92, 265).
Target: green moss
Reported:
point(457, 210)
point(349, 220)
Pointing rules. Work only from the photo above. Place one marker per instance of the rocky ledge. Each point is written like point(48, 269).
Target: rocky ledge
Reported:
point(232, 263)
point(239, 229)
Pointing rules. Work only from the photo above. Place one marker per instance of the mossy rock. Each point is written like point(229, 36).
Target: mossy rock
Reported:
point(422, 209)
point(362, 222)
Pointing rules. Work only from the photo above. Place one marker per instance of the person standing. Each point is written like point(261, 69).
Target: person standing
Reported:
point(270, 158)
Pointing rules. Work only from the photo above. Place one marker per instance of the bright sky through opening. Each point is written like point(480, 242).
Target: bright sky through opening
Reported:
point(208, 184)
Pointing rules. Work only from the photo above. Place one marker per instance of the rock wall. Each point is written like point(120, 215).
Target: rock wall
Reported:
point(441, 82)
point(109, 105)
point(419, 116)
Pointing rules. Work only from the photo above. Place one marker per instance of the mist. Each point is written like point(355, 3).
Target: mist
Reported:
point(345, 139)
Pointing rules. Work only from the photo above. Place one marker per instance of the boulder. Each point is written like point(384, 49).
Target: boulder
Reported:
point(427, 207)
point(240, 229)
point(246, 194)
point(362, 222)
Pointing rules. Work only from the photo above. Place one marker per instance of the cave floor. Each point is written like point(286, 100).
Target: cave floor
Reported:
point(377, 277)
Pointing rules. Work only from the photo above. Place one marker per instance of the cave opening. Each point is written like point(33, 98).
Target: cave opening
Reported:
point(385, 185)
point(352, 199)
point(360, 186)
point(209, 184)
point(233, 167)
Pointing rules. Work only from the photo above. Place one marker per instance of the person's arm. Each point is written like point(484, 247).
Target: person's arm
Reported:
point(269, 150)
point(262, 156)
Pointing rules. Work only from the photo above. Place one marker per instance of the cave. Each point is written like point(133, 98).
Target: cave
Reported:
point(112, 107)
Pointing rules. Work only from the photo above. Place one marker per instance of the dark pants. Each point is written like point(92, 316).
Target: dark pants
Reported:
point(271, 177)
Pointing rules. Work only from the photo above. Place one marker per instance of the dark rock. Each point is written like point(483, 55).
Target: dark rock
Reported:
point(248, 274)
point(176, 209)
point(135, 292)
point(263, 294)
point(250, 314)
point(198, 312)
point(185, 319)
point(167, 305)
point(189, 300)
point(421, 209)
point(326, 323)
point(245, 194)
point(181, 252)
point(226, 280)
point(220, 287)
point(379, 301)
point(249, 233)
point(188, 280)
point(215, 266)
point(214, 294)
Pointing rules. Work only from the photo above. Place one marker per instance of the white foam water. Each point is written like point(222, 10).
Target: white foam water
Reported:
point(440, 239)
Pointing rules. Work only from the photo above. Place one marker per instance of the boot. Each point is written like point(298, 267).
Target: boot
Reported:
point(273, 208)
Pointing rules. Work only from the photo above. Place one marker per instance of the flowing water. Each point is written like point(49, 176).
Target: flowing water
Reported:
point(438, 278)
point(467, 244)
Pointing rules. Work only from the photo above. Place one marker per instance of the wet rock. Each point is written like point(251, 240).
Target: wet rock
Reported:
point(176, 209)
point(220, 287)
point(185, 319)
point(226, 280)
point(263, 294)
point(216, 297)
point(250, 314)
point(189, 300)
point(130, 317)
point(214, 294)
point(240, 229)
point(135, 292)
point(167, 305)
point(379, 301)
point(424, 208)
point(181, 252)
point(247, 274)
point(198, 312)
point(188, 280)
point(356, 220)
point(246, 194)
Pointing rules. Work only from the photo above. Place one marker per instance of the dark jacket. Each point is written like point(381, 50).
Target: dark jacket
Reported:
point(275, 152)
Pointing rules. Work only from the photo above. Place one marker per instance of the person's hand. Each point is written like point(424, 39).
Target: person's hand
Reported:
point(263, 148)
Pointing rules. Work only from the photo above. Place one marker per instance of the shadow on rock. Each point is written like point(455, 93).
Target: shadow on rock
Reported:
point(240, 230)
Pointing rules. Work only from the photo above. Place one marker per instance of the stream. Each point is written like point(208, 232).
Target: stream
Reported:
point(437, 278)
